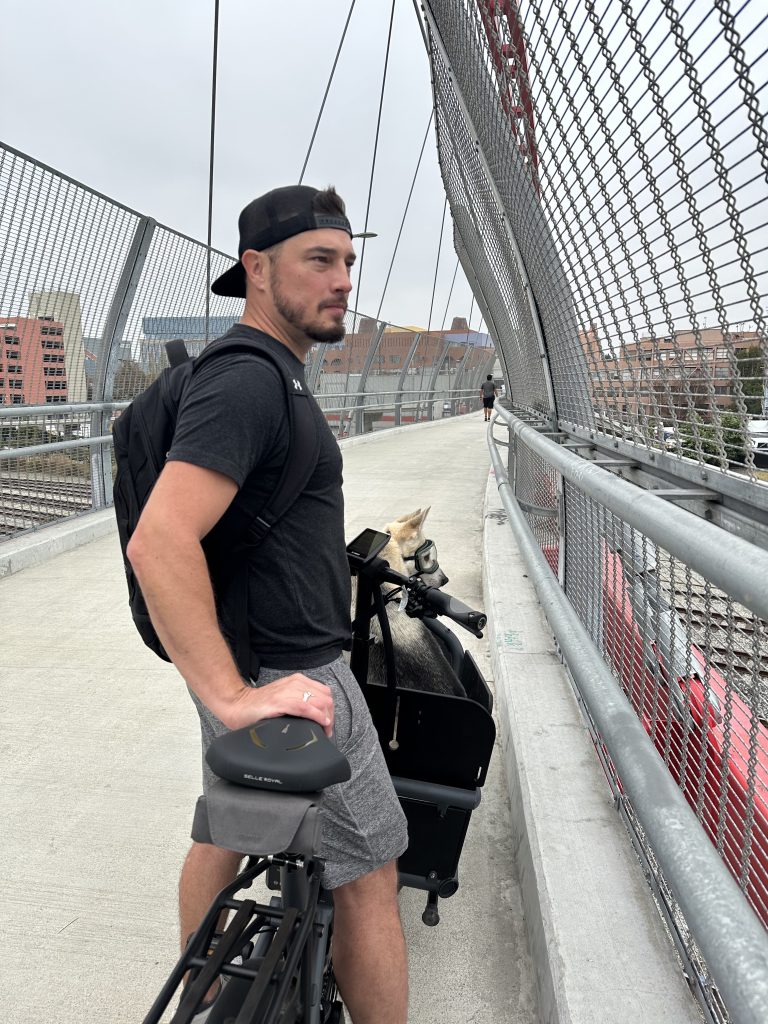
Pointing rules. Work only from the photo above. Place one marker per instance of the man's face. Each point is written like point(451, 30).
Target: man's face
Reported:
point(309, 278)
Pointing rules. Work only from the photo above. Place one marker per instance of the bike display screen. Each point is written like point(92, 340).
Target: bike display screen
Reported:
point(367, 544)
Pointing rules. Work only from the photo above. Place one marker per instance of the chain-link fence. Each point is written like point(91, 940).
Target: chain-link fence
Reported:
point(606, 165)
point(684, 635)
point(90, 292)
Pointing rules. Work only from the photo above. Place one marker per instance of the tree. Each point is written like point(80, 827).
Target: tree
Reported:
point(130, 380)
point(734, 439)
point(25, 435)
point(752, 373)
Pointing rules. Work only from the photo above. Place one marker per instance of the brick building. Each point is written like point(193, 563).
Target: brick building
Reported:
point(345, 357)
point(349, 355)
point(673, 370)
point(32, 361)
point(64, 308)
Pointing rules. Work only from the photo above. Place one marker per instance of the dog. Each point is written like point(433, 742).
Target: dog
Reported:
point(420, 659)
point(406, 537)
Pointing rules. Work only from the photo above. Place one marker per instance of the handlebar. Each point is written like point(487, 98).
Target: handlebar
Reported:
point(455, 609)
point(423, 598)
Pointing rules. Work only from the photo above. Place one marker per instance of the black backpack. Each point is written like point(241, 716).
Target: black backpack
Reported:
point(142, 436)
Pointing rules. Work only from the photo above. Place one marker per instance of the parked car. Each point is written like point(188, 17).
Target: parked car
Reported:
point(758, 441)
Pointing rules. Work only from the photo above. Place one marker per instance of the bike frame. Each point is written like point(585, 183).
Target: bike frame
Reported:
point(291, 934)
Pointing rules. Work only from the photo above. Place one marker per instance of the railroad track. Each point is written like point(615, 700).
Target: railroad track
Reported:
point(26, 502)
point(732, 639)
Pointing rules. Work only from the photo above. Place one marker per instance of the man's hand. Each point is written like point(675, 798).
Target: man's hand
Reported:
point(282, 697)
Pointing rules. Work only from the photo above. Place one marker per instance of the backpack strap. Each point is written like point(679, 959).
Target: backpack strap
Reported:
point(303, 452)
point(303, 442)
point(176, 350)
point(250, 527)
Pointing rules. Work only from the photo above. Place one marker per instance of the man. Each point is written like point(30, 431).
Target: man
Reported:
point(488, 394)
point(231, 440)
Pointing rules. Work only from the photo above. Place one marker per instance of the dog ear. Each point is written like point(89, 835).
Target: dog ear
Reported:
point(415, 519)
point(409, 517)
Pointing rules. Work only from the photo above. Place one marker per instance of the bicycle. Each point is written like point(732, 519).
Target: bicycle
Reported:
point(275, 959)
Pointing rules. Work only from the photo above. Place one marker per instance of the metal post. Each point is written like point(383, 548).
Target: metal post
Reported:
point(460, 370)
point(360, 400)
point(122, 300)
point(401, 379)
point(433, 380)
point(317, 365)
point(472, 381)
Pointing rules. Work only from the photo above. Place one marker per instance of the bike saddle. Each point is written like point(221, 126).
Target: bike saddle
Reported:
point(289, 754)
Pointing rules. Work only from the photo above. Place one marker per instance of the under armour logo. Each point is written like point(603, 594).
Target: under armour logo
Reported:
point(297, 385)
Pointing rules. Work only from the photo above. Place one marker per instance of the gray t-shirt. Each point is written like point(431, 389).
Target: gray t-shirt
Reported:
point(234, 420)
point(488, 388)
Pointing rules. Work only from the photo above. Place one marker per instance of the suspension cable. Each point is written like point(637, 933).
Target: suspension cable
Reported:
point(437, 265)
point(210, 169)
point(405, 212)
point(373, 162)
point(327, 90)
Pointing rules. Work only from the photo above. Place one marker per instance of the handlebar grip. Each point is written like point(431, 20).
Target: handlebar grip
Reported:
point(456, 610)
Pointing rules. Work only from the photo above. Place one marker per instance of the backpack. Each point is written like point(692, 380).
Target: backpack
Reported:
point(142, 436)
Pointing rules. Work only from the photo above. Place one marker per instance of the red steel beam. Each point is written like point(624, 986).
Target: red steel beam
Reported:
point(511, 66)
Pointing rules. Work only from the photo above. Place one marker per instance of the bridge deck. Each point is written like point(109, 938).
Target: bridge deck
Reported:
point(99, 761)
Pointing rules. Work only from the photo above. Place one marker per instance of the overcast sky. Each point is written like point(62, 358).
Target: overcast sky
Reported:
point(118, 97)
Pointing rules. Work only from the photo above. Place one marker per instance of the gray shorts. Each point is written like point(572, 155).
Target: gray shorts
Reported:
point(363, 825)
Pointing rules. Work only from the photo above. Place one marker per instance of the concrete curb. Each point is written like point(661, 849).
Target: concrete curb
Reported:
point(597, 942)
point(33, 548)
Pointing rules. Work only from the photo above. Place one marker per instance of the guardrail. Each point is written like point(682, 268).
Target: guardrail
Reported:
point(681, 739)
point(55, 461)
point(82, 334)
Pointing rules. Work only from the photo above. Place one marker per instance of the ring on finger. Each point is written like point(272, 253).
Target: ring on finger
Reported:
point(307, 695)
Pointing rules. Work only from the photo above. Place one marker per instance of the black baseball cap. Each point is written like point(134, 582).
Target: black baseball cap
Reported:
point(270, 219)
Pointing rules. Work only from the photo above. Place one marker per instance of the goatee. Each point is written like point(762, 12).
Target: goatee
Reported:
point(297, 318)
point(325, 333)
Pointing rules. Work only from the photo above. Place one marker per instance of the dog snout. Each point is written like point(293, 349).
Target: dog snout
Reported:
point(435, 579)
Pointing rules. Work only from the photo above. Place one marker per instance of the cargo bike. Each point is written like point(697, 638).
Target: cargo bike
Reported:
point(274, 959)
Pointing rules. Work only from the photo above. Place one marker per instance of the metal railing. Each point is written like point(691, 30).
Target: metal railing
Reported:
point(89, 293)
point(631, 584)
point(606, 168)
point(52, 467)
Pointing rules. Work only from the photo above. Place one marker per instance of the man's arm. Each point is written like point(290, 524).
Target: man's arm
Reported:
point(167, 556)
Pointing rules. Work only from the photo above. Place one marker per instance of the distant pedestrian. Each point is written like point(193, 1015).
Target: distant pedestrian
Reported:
point(488, 394)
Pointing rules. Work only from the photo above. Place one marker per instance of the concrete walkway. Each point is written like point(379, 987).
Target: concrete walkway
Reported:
point(99, 764)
